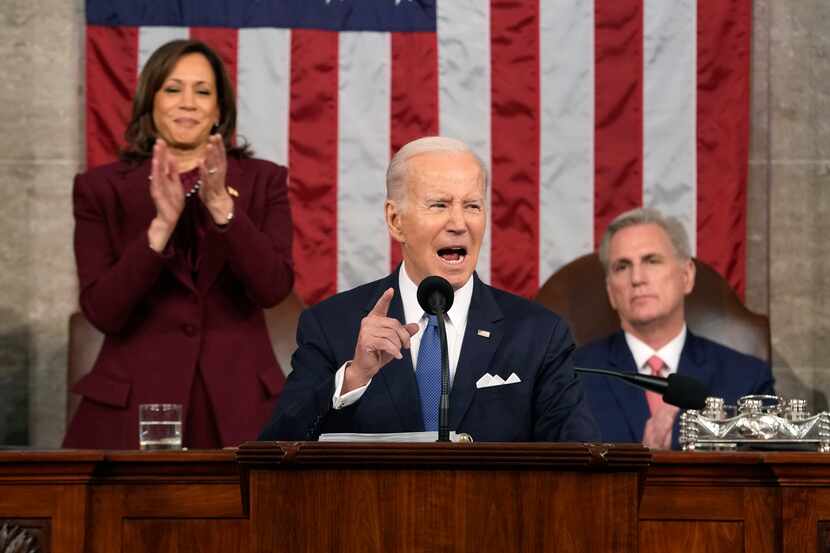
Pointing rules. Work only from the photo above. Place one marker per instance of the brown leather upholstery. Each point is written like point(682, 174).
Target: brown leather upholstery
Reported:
point(85, 342)
point(282, 327)
point(713, 310)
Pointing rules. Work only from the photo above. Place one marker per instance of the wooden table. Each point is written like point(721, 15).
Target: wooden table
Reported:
point(731, 502)
point(85, 501)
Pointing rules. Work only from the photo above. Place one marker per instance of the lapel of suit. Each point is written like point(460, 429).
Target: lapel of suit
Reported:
point(476, 350)
point(693, 361)
point(632, 400)
point(134, 193)
point(133, 188)
point(214, 249)
point(398, 376)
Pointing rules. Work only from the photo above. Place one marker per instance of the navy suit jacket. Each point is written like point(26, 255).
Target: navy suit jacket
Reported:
point(621, 410)
point(525, 338)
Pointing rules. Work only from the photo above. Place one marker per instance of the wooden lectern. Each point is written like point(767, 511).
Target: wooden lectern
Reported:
point(499, 497)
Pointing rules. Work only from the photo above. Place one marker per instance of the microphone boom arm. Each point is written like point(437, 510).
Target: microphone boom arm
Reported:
point(651, 383)
point(678, 390)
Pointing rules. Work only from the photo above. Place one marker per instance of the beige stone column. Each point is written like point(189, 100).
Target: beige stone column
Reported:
point(799, 190)
point(41, 148)
point(757, 256)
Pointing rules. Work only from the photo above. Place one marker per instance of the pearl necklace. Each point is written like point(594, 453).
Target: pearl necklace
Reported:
point(195, 189)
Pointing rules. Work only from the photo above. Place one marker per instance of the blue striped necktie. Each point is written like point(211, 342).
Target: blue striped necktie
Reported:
point(428, 373)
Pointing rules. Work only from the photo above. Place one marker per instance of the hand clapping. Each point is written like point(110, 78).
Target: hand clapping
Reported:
point(167, 194)
point(213, 170)
point(657, 433)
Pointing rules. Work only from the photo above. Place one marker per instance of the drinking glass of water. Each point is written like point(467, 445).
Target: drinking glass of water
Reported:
point(159, 426)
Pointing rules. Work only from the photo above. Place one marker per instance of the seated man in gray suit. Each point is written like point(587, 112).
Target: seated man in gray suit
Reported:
point(511, 374)
point(648, 273)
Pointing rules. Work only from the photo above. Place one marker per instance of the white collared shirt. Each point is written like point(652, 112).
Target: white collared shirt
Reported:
point(670, 353)
point(456, 324)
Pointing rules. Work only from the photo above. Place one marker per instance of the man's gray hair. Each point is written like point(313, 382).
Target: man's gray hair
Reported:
point(396, 173)
point(646, 216)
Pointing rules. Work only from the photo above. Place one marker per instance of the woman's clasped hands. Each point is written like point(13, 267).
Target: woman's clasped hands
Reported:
point(169, 196)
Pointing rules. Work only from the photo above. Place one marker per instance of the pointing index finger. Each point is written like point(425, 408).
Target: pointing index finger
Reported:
point(382, 306)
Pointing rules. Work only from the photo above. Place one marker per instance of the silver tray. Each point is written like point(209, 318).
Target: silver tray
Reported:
point(757, 422)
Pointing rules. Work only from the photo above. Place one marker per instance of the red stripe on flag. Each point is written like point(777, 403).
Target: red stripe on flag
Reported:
point(723, 61)
point(514, 44)
point(225, 42)
point(414, 95)
point(618, 139)
point(312, 157)
point(111, 67)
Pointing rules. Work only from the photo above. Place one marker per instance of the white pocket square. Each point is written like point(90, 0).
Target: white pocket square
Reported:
point(513, 379)
point(488, 380)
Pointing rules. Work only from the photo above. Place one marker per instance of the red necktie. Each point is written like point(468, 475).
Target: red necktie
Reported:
point(655, 400)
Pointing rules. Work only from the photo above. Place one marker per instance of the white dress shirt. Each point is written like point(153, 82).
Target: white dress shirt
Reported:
point(456, 323)
point(670, 353)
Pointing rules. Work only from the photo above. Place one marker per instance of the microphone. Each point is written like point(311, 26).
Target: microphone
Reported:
point(435, 296)
point(678, 390)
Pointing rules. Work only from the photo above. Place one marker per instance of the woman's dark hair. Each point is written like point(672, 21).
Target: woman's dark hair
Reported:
point(141, 131)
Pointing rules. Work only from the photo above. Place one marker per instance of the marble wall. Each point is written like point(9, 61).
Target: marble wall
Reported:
point(757, 281)
point(41, 148)
point(798, 157)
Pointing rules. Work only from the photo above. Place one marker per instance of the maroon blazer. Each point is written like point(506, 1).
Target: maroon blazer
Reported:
point(160, 324)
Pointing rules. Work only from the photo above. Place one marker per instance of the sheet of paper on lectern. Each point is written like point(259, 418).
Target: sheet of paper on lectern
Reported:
point(392, 437)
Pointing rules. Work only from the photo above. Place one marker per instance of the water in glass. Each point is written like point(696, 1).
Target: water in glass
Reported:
point(156, 435)
point(160, 426)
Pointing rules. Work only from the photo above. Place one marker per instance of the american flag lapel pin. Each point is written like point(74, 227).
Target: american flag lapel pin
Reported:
point(483, 333)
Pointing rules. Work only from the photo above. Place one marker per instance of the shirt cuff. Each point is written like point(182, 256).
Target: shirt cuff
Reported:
point(340, 401)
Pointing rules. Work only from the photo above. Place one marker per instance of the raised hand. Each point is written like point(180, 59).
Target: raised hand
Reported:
point(380, 340)
point(213, 171)
point(167, 194)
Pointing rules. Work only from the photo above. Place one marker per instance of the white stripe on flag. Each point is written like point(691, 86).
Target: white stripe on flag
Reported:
point(669, 110)
point(464, 85)
point(264, 80)
point(566, 179)
point(363, 154)
point(150, 38)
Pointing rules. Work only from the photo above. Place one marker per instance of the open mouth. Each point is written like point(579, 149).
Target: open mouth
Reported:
point(453, 255)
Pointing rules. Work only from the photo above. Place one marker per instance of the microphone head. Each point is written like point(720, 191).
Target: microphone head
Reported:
point(685, 392)
point(435, 294)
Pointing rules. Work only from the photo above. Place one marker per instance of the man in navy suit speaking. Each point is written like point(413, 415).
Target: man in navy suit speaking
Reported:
point(648, 273)
point(366, 358)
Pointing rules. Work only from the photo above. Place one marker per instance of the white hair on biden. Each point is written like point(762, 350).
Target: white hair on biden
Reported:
point(396, 173)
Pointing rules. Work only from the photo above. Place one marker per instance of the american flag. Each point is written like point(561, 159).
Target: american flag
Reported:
point(581, 108)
